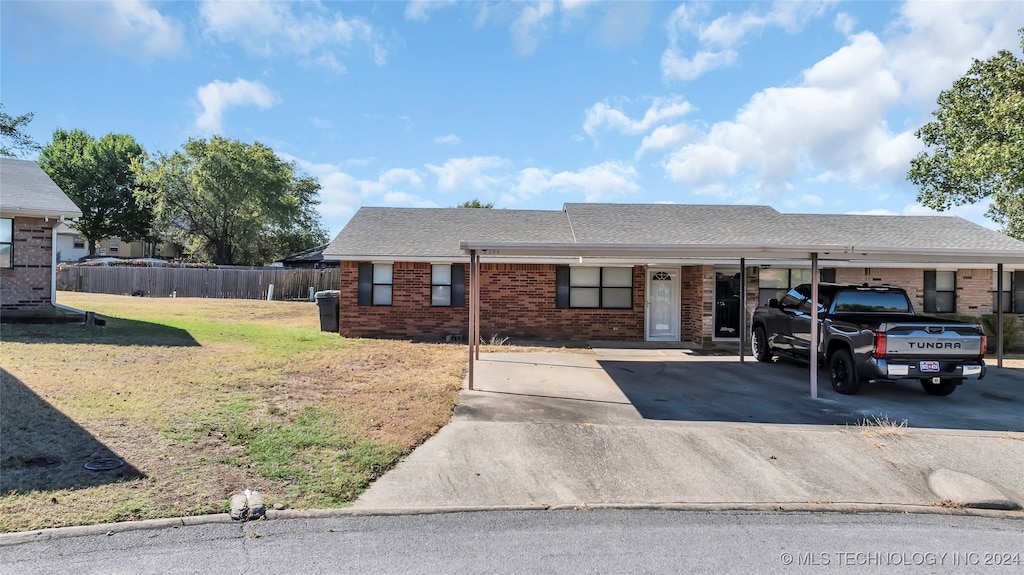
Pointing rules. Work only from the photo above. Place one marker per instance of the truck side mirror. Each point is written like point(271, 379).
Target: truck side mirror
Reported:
point(773, 302)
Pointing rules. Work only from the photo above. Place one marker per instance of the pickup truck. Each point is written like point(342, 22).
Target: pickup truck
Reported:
point(869, 333)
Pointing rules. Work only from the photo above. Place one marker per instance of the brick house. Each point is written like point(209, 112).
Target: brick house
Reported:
point(31, 208)
point(645, 272)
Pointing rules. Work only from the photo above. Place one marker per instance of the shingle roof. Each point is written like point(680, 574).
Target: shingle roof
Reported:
point(314, 254)
point(394, 233)
point(436, 232)
point(670, 223)
point(26, 190)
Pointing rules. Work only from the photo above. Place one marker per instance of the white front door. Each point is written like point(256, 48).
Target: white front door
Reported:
point(662, 304)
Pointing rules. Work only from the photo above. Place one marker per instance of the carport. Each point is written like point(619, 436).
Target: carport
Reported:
point(650, 254)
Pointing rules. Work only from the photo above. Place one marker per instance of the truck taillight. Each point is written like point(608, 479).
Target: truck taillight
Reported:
point(984, 345)
point(879, 345)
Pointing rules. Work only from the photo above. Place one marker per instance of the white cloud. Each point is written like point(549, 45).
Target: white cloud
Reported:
point(603, 115)
point(420, 10)
point(480, 173)
point(935, 47)
point(448, 140)
point(678, 67)
point(218, 96)
point(132, 25)
point(530, 25)
point(719, 38)
point(309, 30)
point(665, 137)
point(834, 122)
point(602, 182)
point(844, 22)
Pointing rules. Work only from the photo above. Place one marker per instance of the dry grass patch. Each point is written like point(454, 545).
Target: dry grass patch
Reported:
point(203, 398)
point(874, 427)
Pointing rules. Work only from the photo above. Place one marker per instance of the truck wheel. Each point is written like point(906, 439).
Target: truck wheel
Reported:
point(844, 373)
point(759, 345)
point(944, 387)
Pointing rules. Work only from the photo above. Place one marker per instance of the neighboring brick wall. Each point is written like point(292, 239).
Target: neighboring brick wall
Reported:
point(26, 286)
point(517, 300)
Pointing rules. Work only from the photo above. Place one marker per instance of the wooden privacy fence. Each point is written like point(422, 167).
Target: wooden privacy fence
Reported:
point(229, 283)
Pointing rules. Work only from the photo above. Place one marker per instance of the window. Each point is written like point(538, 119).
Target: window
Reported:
point(375, 283)
point(114, 247)
point(774, 282)
point(447, 285)
point(1013, 292)
point(585, 287)
point(79, 243)
point(939, 292)
point(6, 243)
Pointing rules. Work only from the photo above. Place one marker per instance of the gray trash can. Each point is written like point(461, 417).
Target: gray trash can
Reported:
point(327, 301)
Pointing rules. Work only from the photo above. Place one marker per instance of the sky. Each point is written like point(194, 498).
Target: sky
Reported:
point(809, 107)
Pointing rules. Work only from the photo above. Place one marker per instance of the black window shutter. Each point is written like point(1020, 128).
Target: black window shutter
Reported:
point(458, 285)
point(828, 275)
point(929, 292)
point(1018, 291)
point(562, 287)
point(365, 284)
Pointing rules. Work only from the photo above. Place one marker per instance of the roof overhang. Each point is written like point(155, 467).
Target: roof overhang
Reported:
point(38, 213)
point(642, 252)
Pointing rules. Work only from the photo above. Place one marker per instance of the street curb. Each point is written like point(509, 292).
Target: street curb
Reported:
point(7, 539)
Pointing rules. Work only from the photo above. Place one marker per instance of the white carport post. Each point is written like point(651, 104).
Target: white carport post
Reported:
point(743, 306)
point(999, 315)
point(476, 308)
point(813, 352)
point(472, 313)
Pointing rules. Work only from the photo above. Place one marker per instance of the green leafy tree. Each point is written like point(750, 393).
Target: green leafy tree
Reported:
point(474, 203)
point(14, 141)
point(232, 203)
point(976, 143)
point(98, 176)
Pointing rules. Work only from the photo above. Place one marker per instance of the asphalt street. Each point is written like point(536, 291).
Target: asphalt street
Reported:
point(567, 541)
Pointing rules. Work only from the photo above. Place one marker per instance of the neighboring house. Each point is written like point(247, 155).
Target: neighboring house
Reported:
point(31, 208)
point(644, 272)
point(72, 247)
point(313, 258)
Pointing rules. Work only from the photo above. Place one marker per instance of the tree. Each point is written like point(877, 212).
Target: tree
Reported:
point(98, 176)
point(474, 203)
point(14, 141)
point(232, 203)
point(976, 143)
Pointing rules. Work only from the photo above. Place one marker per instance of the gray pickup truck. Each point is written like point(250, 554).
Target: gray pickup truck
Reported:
point(869, 333)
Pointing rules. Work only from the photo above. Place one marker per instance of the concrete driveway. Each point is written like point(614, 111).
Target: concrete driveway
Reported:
point(652, 426)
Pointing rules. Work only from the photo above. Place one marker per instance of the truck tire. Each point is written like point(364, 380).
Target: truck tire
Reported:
point(944, 387)
point(843, 372)
point(759, 345)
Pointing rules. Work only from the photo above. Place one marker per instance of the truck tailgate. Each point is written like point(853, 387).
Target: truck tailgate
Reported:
point(932, 341)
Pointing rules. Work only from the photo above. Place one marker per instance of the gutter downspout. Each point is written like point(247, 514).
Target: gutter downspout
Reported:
point(53, 262)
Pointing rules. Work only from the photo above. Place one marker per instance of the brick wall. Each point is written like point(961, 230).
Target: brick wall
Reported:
point(26, 286)
point(973, 286)
point(517, 300)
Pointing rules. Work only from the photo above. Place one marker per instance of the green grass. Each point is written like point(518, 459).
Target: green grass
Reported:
point(203, 399)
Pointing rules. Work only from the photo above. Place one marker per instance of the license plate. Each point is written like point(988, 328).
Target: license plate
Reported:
point(929, 366)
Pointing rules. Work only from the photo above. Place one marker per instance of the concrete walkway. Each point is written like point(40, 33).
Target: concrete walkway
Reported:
point(670, 426)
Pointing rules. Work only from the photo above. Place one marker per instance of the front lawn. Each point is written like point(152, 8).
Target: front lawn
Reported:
point(201, 399)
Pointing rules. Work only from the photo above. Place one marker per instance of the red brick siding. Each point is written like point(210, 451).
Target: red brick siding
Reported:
point(517, 300)
point(26, 286)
